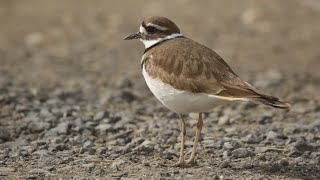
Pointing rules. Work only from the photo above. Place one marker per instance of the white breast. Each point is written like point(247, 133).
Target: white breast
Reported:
point(180, 101)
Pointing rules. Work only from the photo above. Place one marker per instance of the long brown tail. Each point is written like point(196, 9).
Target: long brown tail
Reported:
point(271, 101)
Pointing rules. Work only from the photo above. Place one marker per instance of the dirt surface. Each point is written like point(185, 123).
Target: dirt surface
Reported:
point(74, 105)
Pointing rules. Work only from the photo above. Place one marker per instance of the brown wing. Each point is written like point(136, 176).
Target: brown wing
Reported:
point(193, 67)
point(190, 66)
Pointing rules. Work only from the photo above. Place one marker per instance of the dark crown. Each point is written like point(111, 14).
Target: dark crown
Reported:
point(158, 27)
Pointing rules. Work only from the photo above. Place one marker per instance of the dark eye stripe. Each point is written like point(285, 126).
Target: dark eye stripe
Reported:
point(151, 29)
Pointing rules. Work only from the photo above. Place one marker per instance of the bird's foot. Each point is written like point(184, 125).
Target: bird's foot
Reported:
point(182, 164)
point(191, 162)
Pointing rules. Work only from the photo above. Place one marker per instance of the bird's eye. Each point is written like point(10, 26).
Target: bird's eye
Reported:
point(151, 29)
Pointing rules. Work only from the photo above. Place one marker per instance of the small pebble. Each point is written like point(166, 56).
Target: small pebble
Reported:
point(116, 163)
point(252, 139)
point(89, 167)
point(241, 153)
point(101, 115)
point(224, 164)
point(284, 162)
point(4, 134)
point(275, 168)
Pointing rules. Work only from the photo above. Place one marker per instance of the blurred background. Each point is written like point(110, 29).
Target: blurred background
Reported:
point(61, 61)
point(79, 42)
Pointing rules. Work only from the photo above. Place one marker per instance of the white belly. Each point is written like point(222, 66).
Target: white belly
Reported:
point(180, 101)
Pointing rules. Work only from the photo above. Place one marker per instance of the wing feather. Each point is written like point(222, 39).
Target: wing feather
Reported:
point(195, 68)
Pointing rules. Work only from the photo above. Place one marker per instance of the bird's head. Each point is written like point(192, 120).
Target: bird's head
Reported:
point(154, 30)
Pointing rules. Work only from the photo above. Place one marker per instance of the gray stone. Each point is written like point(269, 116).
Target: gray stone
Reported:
point(275, 168)
point(88, 144)
point(128, 96)
point(224, 120)
point(39, 143)
point(60, 147)
point(46, 160)
point(241, 153)
point(57, 140)
point(262, 157)
point(40, 153)
point(49, 168)
point(252, 139)
point(103, 128)
point(101, 115)
point(44, 112)
point(265, 119)
point(303, 146)
point(145, 148)
point(225, 164)
point(226, 154)
point(231, 145)
point(66, 160)
point(284, 162)
point(128, 147)
point(272, 135)
point(89, 166)
point(36, 127)
point(208, 143)
point(92, 150)
point(228, 145)
point(138, 140)
point(116, 163)
point(65, 153)
point(91, 123)
point(246, 166)
point(101, 151)
point(28, 148)
point(4, 134)
point(62, 128)
point(295, 154)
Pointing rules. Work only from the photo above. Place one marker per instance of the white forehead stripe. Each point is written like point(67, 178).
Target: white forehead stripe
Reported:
point(157, 26)
point(143, 30)
point(149, 43)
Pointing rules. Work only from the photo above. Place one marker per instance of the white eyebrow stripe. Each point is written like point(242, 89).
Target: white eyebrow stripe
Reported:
point(157, 26)
point(143, 30)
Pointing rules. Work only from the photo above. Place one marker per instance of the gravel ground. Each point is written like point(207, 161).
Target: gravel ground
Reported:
point(74, 105)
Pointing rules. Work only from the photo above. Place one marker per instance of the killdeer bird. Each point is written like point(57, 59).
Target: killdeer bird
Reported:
point(189, 77)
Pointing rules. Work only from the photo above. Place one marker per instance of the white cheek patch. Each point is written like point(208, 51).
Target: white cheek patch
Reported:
point(143, 30)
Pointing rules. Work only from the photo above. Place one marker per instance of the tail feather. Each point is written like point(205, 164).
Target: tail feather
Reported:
point(250, 93)
point(271, 101)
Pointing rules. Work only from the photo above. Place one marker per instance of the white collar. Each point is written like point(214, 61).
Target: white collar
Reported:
point(149, 43)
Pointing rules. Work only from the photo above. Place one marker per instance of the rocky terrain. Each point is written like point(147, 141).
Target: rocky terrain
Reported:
point(74, 105)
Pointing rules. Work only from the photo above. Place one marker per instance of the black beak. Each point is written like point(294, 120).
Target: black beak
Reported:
point(132, 36)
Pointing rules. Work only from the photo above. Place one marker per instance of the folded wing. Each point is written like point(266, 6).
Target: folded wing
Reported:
point(198, 69)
